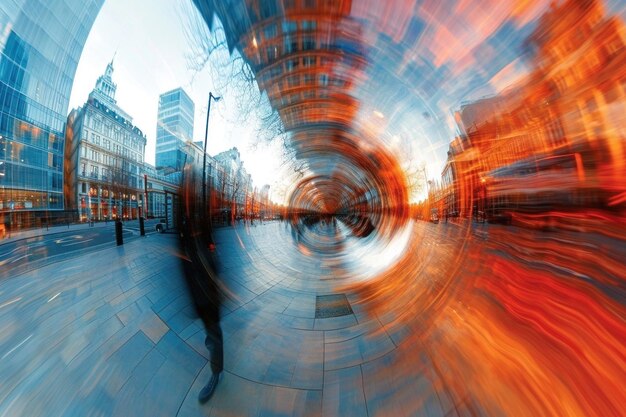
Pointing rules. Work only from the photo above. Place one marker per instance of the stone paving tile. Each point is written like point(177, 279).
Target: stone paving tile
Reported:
point(98, 394)
point(91, 336)
point(194, 327)
point(374, 346)
point(132, 312)
point(182, 319)
point(152, 326)
point(301, 306)
point(308, 376)
point(235, 396)
point(174, 307)
point(409, 392)
point(173, 378)
point(342, 354)
point(160, 296)
point(335, 323)
point(126, 402)
point(363, 328)
point(296, 322)
point(343, 393)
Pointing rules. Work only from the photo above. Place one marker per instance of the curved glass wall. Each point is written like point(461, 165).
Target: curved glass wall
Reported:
point(40, 44)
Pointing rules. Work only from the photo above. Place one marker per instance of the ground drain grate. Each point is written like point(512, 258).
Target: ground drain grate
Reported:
point(332, 305)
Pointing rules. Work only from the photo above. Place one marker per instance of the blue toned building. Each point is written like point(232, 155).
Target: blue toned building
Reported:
point(174, 129)
point(40, 45)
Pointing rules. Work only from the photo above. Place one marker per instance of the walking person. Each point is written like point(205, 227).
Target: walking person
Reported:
point(200, 273)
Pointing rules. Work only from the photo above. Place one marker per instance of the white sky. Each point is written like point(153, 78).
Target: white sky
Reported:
point(149, 47)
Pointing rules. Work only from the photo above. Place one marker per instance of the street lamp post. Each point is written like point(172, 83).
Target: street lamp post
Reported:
point(206, 134)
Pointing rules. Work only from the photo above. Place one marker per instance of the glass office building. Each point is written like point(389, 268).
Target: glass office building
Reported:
point(40, 46)
point(174, 128)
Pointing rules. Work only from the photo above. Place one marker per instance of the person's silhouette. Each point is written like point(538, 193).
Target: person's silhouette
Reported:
point(200, 273)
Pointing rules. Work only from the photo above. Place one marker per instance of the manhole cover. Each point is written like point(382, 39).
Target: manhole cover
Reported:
point(333, 305)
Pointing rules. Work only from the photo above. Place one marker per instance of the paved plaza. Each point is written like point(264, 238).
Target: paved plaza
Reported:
point(113, 332)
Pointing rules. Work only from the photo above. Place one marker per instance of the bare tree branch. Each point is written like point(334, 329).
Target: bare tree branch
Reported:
point(231, 73)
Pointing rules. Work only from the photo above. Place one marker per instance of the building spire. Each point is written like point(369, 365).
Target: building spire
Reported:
point(105, 85)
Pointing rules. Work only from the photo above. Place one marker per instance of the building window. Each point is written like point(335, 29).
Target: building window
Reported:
point(83, 187)
point(83, 168)
point(271, 53)
point(293, 81)
point(270, 31)
point(308, 25)
point(308, 61)
point(275, 71)
point(292, 65)
point(290, 45)
point(308, 43)
point(289, 26)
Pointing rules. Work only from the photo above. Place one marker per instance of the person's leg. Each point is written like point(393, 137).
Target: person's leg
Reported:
point(215, 346)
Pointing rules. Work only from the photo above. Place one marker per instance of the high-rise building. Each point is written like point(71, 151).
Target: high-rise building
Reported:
point(174, 129)
point(104, 157)
point(40, 45)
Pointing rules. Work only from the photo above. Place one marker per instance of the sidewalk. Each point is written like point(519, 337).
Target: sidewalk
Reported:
point(114, 333)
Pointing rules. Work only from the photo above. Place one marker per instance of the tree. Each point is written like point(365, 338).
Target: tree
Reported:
point(121, 183)
point(232, 73)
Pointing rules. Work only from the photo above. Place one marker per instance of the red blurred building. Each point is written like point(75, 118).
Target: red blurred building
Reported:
point(571, 103)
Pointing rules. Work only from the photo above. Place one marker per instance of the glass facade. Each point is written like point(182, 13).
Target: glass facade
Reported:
point(40, 44)
point(174, 128)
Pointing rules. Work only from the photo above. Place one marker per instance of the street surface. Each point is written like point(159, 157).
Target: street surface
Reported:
point(19, 255)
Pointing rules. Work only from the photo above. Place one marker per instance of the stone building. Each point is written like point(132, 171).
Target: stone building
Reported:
point(104, 153)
